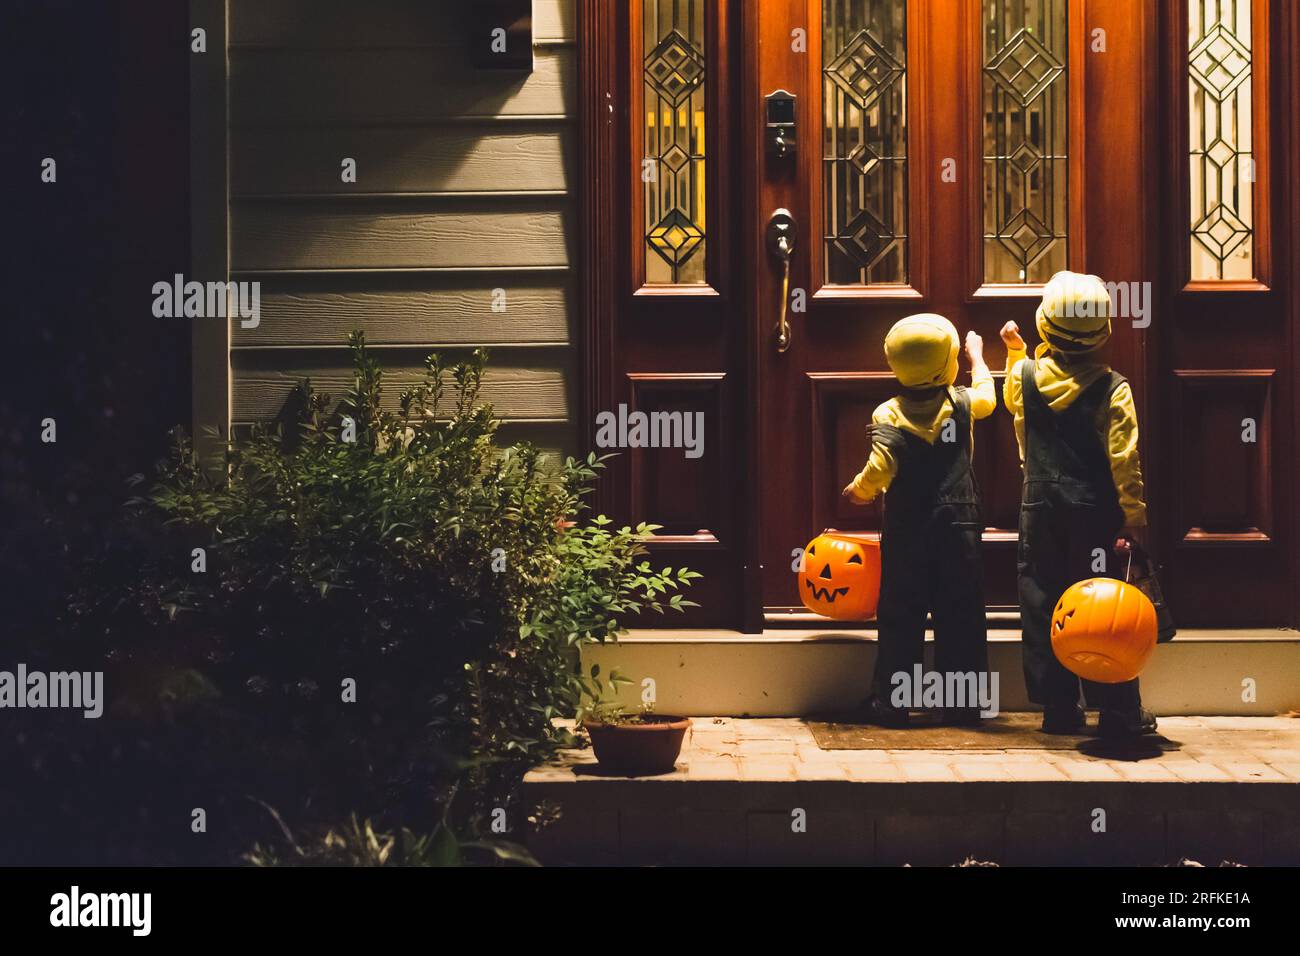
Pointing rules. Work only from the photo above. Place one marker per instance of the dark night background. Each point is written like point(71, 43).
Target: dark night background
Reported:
point(103, 88)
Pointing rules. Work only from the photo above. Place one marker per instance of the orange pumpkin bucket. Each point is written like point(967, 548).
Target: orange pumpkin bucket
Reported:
point(841, 576)
point(1104, 630)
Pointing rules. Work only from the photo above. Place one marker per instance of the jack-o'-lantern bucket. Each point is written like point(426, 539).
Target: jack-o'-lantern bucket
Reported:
point(841, 576)
point(1104, 630)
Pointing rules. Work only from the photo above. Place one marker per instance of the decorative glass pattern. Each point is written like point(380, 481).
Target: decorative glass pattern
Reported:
point(864, 141)
point(1026, 140)
point(673, 167)
point(1223, 165)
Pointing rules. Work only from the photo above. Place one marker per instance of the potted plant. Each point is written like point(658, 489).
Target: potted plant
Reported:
point(630, 744)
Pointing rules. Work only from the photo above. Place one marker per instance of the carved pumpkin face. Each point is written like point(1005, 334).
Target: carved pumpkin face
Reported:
point(841, 576)
point(1104, 630)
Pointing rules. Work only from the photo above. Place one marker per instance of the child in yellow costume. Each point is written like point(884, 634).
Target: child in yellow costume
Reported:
point(1083, 496)
point(921, 447)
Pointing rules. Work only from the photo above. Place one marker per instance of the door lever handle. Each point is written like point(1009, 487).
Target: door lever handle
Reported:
point(780, 244)
point(783, 324)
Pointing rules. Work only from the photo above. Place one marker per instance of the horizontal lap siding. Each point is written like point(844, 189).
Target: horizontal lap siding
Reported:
point(415, 309)
point(338, 23)
point(399, 234)
point(274, 161)
point(520, 384)
point(464, 187)
point(377, 87)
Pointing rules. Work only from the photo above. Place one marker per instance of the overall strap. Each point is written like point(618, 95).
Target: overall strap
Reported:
point(960, 398)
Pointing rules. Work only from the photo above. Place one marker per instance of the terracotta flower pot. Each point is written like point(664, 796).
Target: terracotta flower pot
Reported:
point(640, 747)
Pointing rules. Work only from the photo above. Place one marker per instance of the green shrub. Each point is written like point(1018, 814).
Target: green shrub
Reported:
point(452, 580)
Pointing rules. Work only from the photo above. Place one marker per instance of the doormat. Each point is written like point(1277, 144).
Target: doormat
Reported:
point(1018, 731)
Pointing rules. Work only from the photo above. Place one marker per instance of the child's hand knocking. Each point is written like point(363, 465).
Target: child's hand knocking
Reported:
point(1011, 337)
point(974, 348)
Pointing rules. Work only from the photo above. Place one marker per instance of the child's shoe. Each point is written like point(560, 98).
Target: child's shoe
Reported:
point(882, 714)
point(1064, 721)
point(1120, 723)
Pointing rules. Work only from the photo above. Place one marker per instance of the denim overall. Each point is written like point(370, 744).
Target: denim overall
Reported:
point(930, 553)
point(1069, 509)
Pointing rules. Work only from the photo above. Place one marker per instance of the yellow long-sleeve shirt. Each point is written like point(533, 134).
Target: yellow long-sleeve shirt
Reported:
point(923, 417)
point(1117, 424)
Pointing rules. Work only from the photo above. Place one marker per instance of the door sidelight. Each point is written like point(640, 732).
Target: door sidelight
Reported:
point(780, 244)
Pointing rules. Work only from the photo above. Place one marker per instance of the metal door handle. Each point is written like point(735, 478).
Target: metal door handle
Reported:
point(780, 243)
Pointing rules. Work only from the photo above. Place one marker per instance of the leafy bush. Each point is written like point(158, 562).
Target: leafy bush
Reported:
point(401, 550)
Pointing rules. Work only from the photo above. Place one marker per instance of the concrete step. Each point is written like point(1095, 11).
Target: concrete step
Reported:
point(760, 792)
point(793, 671)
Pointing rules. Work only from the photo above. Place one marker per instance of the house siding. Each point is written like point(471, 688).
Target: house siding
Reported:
point(464, 186)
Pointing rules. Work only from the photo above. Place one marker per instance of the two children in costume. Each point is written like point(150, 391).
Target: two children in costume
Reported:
point(1077, 431)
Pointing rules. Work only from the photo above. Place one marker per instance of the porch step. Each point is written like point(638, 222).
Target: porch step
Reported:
point(785, 672)
point(1230, 790)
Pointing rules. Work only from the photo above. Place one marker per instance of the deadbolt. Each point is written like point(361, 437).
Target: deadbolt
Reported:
point(779, 107)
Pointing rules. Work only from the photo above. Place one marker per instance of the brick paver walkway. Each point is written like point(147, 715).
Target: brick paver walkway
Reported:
point(1228, 789)
point(1245, 749)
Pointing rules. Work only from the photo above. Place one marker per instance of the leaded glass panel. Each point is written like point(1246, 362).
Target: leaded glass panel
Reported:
point(673, 167)
point(864, 141)
point(1222, 160)
point(1026, 140)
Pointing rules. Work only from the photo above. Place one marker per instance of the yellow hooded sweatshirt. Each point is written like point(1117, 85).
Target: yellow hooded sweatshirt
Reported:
point(1060, 383)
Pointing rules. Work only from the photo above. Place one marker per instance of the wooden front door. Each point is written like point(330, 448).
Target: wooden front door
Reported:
point(940, 168)
point(945, 156)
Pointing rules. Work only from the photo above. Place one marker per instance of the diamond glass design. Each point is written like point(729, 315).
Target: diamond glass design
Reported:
point(674, 68)
point(1026, 238)
point(864, 142)
point(1220, 101)
point(1221, 231)
point(673, 172)
point(867, 239)
point(1219, 62)
point(864, 69)
point(1025, 140)
point(1025, 158)
point(1025, 68)
point(675, 238)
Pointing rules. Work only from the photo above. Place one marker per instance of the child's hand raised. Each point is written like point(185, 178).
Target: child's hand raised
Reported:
point(1011, 337)
point(974, 347)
